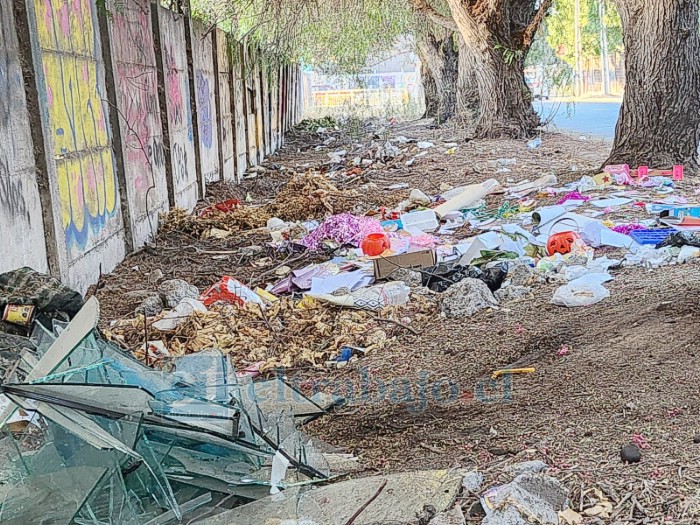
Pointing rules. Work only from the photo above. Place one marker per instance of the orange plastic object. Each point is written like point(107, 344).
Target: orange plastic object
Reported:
point(561, 242)
point(375, 244)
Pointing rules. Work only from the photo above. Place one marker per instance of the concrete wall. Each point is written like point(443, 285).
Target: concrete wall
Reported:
point(176, 108)
point(251, 100)
point(205, 79)
point(274, 107)
point(227, 154)
point(70, 80)
point(259, 109)
point(135, 115)
point(239, 111)
point(108, 118)
point(265, 94)
point(21, 222)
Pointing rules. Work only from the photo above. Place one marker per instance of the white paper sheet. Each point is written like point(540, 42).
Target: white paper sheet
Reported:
point(607, 203)
point(325, 285)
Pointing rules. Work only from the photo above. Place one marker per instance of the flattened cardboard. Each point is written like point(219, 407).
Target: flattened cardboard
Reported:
point(383, 266)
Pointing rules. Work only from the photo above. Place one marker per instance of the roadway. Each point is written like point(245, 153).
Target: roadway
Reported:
point(587, 118)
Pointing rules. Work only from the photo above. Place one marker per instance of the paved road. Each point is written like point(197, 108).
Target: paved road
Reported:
point(594, 118)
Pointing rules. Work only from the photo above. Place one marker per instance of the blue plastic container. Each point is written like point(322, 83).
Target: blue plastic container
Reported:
point(651, 236)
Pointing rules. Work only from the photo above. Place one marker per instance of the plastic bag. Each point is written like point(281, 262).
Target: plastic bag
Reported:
point(177, 315)
point(683, 238)
point(580, 294)
point(687, 253)
point(231, 291)
point(649, 257)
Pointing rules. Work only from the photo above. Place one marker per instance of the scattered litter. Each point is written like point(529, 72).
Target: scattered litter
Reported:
point(393, 293)
point(175, 290)
point(580, 293)
point(510, 371)
point(529, 498)
point(179, 314)
point(534, 143)
point(342, 229)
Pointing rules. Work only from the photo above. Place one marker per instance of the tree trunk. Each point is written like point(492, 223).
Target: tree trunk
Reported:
point(505, 101)
point(467, 94)
point(439, 74)
point(430, 91)
point(659, 122)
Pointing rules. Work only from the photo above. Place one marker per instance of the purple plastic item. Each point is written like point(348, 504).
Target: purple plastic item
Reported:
point(344, 228)
point(573, 196)
point(627, 228)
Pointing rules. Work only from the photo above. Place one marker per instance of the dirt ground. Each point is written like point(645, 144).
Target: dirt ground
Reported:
point(621, 371)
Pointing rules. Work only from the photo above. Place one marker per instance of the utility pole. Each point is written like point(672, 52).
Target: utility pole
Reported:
point(605, 63)
point(577, 47)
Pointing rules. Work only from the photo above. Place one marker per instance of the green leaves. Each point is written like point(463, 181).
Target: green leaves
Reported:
point(335, 35)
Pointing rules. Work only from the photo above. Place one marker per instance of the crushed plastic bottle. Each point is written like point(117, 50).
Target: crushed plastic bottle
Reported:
point(394, 293)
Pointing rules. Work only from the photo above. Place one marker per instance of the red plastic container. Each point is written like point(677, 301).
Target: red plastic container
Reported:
point(561, 242)
point(375, 244)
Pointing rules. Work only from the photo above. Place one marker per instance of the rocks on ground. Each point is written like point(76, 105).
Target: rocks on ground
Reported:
point(513, 292)
point(175, 290)
point(466, 298)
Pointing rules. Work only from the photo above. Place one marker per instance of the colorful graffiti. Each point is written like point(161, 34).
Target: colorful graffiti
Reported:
point(139, 112)
point(178, 92)
point(82, 150)
point(204, 110)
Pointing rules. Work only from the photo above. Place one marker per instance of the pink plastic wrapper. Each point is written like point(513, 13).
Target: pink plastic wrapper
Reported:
point(627, 228)
point(344, 228)
point(423, 241)
point(573, 196)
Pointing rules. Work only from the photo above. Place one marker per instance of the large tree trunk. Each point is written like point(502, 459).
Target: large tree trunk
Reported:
point(659, 122)
point(505, 101)
point(468, 96)
point(439, 74)
point(496, 43)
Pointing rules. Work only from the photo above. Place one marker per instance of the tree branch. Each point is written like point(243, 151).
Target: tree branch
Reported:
point(531, 29)
point(431, 13)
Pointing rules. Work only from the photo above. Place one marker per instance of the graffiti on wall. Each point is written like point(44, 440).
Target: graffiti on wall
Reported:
point(177, 92)
point(204, 110)
point(11, 82)
point(137, 88)
point(12, 194)
point(86, 177)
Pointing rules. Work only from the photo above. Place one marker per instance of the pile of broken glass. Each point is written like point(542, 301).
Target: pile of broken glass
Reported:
point(103, 439)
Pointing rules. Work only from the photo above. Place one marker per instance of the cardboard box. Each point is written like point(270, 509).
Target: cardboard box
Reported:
point(383, 266)
point(681, 216)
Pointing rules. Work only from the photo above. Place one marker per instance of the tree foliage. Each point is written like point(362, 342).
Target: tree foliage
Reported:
point(560, 29)
point(338, 36)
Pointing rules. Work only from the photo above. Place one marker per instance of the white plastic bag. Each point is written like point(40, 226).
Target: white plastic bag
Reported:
point(177, 315)
point(687, 253)
point(580, 294)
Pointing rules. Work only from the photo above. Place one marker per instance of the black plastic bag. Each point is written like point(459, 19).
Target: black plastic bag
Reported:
point(680, 239)
point(493, 277)
point(439, 278)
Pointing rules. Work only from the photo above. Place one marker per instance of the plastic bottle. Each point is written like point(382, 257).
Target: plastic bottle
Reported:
point(394, 293)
